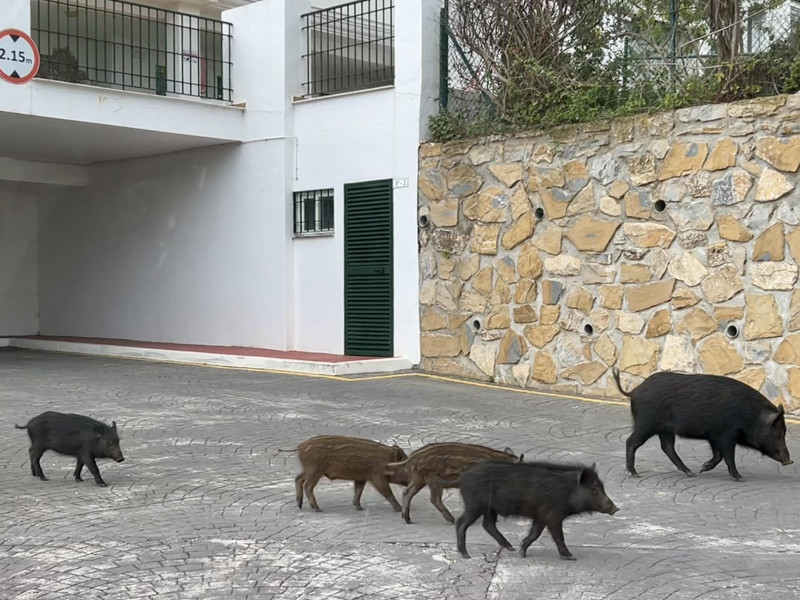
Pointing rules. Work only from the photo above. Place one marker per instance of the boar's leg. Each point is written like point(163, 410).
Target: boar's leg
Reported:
point(715, 459)
point(533, 535)
point(436, 500)
point(92, 465)
point(382, 485)
point(557, 532)
point(464, 521)
point(36, 468)
point(411, 491)
point(358, 489)
point(632, 444)
point(311, 480)
point(78, 469)
point(668, 446)
point(298, 489)
point(728, 448)
point(490, 525)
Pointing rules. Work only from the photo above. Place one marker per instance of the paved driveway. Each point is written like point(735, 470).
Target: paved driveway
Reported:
point(203, 507)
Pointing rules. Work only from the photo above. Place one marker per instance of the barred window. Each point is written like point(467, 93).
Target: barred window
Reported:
point(313, 212)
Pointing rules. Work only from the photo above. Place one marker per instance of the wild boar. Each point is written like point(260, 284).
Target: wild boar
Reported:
point(548, 493)
point(721, 410)
point(349, 458)
point(72, 435)
point(440, 461)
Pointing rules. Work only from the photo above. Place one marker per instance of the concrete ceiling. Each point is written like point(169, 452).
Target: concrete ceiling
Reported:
point(70, 142)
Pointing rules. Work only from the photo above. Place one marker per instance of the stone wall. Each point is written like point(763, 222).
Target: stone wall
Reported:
point(666, 242)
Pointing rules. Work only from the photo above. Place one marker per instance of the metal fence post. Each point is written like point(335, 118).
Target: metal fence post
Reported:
point(444, 55)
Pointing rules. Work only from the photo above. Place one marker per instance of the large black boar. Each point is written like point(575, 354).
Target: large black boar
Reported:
point(342, 457)
point(545, 492)
point(721, 410)
point(436, 462)
point(72, 435)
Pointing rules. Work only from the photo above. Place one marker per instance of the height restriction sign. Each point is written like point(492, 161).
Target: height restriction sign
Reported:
point(19, 56)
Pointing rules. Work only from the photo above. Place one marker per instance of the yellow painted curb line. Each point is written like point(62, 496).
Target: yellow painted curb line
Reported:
point(352, 379)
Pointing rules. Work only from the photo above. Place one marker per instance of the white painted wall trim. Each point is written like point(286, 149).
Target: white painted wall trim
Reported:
point(378, 365)
point(27, 171)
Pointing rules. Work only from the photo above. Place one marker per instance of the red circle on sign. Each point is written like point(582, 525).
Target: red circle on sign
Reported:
point(36, 57)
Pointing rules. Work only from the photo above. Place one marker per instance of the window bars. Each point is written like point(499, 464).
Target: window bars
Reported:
point(122, 45)
point(313, 212)
point(349, 47)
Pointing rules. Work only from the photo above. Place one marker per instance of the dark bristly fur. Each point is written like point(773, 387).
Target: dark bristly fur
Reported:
point(721, 410)
point(545, 492)
point(72, 435)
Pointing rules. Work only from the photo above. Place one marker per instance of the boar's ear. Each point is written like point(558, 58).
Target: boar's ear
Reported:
point(776, 416)
point(114, 425)
point(593, 467)
point(521, 457)
point(584, 476)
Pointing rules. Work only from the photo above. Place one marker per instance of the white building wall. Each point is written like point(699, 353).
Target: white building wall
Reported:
point(197, 246)
point(18, 281)
point(361, 137)
point(183, 248)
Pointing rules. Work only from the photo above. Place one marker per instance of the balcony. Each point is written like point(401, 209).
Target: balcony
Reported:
point(126, 46)
point(349, 47)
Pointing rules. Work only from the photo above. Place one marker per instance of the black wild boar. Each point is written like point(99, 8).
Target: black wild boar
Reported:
point(342, 457)
point(436, 462)
point(721, 410)
point(545, 492)
point(72, 435)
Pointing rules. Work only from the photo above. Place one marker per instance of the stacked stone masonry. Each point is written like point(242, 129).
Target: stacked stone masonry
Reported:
point(657, 242)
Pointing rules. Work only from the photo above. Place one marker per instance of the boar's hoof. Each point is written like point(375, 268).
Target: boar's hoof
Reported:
point(102, 484)
point(523, 552)
point(316, 509)
point(465, 555)
point(358, 507)
point(568, 557)
point(510, 548)
point(691, 474)
point(42, 477)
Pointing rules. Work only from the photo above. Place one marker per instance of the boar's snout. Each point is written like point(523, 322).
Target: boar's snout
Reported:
point(787, 461)
point(120, 459)
point(608, 507)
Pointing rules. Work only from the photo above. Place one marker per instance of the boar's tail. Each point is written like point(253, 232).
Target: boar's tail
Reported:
point(282, 450)
point(615, 373)
point(20, 426)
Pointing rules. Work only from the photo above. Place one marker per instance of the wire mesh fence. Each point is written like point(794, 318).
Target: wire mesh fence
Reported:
point(527, 63)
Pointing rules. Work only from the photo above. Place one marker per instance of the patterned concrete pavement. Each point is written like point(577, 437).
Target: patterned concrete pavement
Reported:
point(203, 507)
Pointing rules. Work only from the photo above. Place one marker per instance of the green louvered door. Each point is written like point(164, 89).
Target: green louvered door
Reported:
point(368, 280)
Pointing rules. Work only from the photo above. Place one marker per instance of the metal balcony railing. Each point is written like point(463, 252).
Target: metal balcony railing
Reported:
point(122, 45)
point(349, 47)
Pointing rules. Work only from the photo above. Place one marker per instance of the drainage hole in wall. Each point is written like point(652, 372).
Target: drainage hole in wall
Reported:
point(660, 206)
point(423, 220)
point(732, 331)
point(588, 329)
point(476, 325)
point(539, 213)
